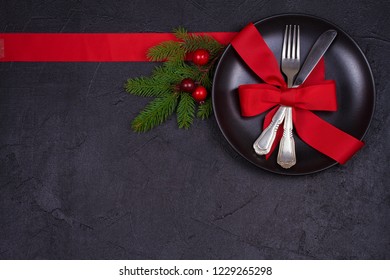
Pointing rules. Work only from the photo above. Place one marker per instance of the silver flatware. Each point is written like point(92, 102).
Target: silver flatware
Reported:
point(316, 53)
point(290, 67)
point(264, 142)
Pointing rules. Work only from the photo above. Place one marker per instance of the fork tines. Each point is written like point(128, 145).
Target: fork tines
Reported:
point(291, 34)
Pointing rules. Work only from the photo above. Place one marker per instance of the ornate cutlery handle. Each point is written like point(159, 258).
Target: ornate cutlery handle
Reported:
point(286, 155)
point(263, 144)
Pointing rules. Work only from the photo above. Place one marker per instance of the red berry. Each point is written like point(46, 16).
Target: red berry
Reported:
point(200, 57)
point(199, 94)
point(187, 85)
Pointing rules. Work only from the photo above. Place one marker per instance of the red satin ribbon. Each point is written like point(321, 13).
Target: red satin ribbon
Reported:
point(86, 47)
point(258, 98)
point(314, 94)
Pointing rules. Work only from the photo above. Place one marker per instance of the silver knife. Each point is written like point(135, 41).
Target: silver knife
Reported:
point(264, 142)
point(317, 51)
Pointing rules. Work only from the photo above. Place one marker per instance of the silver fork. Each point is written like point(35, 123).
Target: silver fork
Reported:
point(290, 67)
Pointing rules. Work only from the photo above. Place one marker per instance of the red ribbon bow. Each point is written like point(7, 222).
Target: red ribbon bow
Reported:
point(315, 94)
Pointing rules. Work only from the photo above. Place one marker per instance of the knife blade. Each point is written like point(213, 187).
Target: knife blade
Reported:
point(316, 52)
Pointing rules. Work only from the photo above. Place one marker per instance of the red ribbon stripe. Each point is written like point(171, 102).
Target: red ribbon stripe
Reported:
point(86, 47)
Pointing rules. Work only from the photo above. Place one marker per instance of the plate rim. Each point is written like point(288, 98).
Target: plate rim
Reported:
point(229, 46)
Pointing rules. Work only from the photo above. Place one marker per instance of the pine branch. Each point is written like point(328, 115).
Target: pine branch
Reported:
point(205, 109)
point(181, 33)
point(185, 111)
point(147, 87)
point(165, 81)
point(182, 70)
point(166, 50)
point(155, 113)
point(164, 74)
point(173, 72)
point(205, 79)
point(194, 42)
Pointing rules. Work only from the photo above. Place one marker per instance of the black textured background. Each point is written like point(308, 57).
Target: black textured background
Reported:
point(77, 183)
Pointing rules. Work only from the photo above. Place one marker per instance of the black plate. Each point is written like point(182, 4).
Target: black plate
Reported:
point(345, 63)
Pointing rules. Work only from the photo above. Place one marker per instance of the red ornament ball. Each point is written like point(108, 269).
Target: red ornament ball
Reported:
point(201, 57)
point(199, 94)
point(187, 85)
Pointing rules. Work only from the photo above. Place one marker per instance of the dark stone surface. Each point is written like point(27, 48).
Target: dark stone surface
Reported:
point(77, 183)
